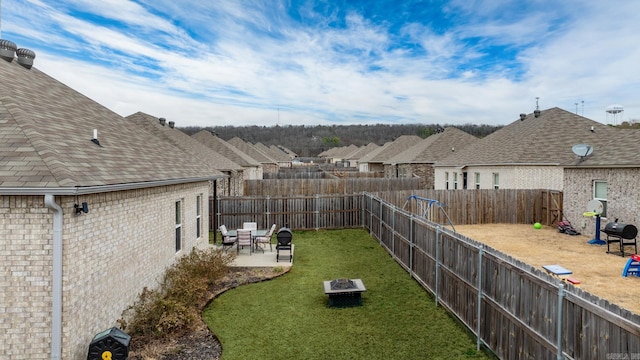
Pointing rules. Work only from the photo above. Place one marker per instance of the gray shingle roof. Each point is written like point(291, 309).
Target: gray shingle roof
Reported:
point(273, 152)
point(546, 139)
point(391, 149)
point(251, 150)
point(363, 150)
point(622, 150)
point(183, 141)
point(434, 147)
point(45, 135)
point(225, 149)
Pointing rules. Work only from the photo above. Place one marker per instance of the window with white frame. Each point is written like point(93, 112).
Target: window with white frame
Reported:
point(496, 180)
point(178, 225)
point(600, 194)
point(477, 180)
point(198, 216)
point(446, 180)
point(455, 180)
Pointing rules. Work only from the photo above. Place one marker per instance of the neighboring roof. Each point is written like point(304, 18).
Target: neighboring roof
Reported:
point(280, 149)
point(185, 142)
point(251, 150)
point(287, 151)
point(225, 149)
point(273, 152)
point(344, 152)
point(331, 152)
point(362, 151)
point(391, 149)
point(434, 147)
point(46, 131)
point(622, 150)
point(543, 140)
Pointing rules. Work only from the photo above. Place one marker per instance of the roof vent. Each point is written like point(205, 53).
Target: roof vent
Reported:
point(522, 116)
point(7, 49)
point(162, 121)
point(25, 57)
point(536, 113)
point(171, 124)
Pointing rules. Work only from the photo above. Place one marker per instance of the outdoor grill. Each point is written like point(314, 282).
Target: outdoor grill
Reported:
point(284, 236)
point(623, 234)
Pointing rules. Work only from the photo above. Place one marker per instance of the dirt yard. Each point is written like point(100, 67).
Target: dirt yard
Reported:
point(599, 273)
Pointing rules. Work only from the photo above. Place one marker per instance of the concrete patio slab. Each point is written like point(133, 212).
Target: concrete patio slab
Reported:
point(261, 259)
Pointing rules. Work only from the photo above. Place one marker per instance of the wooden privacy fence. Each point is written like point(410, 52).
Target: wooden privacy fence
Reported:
point(299, 212)
point(508, 206)
point(514, 309)
point(486, 206)
point(309, 187)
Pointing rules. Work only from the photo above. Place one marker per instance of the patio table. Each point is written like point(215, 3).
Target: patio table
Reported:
point(254, 234)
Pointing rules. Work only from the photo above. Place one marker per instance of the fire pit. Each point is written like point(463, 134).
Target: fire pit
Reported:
point(344, 292)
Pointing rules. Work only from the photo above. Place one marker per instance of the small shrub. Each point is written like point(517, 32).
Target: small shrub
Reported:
point(175, 305)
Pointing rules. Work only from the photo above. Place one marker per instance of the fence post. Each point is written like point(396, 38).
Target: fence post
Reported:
point(380, 222)
point(393, 231)
point(411, 245)
point(268, 212)
point(437, 260)
point(479, 304)
point(371, 215)
point(218, 214)
point(559, 320)
point(317, 212)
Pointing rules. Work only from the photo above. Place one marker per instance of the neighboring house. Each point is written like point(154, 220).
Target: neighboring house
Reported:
point(526, 154)
point(354, 158)
point(336, 155)
point(417, 161)
point(287, 151)
point(374, 161)
point(609, 174)
point(269, 165)
point(251, 168)
point(94, 209)
point(282, 158)
point(232, 185)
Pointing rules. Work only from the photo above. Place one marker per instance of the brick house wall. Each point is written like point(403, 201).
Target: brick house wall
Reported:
point(231, 186)
point(124, 243)
point(424, 172)
point(623, 196)
point(270, 168)
point(510, 177)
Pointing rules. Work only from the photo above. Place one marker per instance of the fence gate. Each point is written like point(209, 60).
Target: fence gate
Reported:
point(551, 207)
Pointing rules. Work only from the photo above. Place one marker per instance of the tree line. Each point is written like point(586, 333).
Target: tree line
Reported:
point(309, 141)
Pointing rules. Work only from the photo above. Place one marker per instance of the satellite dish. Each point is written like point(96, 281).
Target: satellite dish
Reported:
point(582, 150)
point(595, 206)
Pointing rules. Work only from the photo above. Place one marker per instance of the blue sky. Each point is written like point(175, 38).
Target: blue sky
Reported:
point(298, 62)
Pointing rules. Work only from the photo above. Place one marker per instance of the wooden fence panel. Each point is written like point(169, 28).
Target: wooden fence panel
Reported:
point(310, 187)
point(516, 310)
point(471, 206)
point(524, 313)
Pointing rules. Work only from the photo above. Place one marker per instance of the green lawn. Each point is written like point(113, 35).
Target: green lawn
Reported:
point(288, 317)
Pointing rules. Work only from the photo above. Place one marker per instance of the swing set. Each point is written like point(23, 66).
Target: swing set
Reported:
point(427, 208)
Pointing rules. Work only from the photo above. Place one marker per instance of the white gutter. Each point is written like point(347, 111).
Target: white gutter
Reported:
point(56, 293)
point(83, 190)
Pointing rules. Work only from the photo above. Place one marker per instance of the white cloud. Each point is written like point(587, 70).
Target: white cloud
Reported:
point(248, 62)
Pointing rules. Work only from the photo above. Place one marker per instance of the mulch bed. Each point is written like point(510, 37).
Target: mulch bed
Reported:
point(199, 343)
